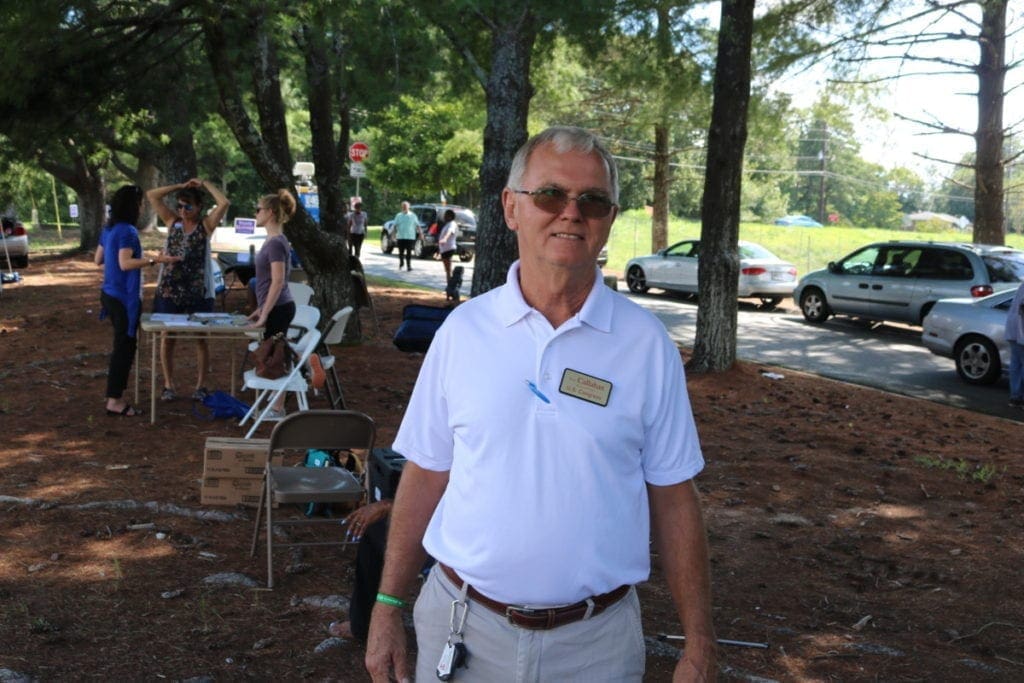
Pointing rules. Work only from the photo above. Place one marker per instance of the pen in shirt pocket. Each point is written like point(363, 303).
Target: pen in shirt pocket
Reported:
point(537, 392)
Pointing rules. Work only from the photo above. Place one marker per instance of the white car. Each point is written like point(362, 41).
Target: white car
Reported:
point(763, 275)
point(15, 244)
point(970, 331)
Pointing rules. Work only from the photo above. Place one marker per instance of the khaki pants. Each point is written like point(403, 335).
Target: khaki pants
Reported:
point(608, 647)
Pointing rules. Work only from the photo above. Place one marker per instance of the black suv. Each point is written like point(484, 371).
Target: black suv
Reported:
point(431, 218)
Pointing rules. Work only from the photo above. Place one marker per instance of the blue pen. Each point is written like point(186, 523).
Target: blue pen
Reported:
point(538, 392)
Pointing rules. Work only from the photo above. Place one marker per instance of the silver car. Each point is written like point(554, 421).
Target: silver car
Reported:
point(763, 275)
point(970, 331)
point(901, 280)
point(14, 241)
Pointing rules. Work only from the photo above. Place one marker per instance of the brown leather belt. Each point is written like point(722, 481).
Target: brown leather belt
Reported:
point(544, 618)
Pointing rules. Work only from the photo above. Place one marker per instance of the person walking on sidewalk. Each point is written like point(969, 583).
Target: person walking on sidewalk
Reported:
point(538, 490)
point(447, 240)
point(356, 229)
point(407, 229)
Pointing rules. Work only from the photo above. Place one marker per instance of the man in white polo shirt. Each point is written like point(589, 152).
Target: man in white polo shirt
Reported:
point(549, 430)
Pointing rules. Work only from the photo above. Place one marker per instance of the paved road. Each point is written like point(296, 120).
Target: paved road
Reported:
point(889, 357)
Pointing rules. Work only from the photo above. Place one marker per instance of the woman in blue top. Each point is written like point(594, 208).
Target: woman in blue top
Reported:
point(120, 254)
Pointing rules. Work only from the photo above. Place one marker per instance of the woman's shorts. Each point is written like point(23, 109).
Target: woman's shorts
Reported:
point(162, 305)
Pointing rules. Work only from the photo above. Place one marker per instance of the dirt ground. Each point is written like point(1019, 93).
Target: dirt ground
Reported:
point(860, 535)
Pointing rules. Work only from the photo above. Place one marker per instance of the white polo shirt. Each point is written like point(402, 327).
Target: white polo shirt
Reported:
point(546, 502)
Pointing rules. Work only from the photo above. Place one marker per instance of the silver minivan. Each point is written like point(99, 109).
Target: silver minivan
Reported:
point(901, 280)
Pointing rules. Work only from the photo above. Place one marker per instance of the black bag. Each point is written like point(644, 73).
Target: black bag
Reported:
point(419, 323)
point(273, 357)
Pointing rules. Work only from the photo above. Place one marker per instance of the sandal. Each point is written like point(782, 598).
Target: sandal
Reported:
point(127, 411)
point(200, 394)
point(168, 395)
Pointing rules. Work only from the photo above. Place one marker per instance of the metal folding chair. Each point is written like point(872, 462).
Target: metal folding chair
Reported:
point(326, 430)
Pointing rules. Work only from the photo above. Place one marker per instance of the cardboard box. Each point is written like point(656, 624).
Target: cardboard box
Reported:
point(228, 458)
point(230, 491)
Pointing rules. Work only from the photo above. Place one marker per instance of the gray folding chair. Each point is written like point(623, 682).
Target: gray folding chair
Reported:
point(326, 430)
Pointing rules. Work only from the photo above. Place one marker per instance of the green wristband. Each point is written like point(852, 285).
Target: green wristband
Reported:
point(390, 600)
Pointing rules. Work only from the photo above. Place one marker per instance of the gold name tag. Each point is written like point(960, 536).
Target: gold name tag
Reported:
point(585, 387)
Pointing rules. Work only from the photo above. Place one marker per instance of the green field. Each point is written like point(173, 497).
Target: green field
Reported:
point(807, 248)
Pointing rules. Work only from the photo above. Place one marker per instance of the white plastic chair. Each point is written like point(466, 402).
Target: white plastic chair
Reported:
point(333, 333)
point(306, 318)
point(301, 293)
point(271, 389)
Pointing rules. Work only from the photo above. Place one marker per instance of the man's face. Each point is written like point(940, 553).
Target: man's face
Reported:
point(566, 239)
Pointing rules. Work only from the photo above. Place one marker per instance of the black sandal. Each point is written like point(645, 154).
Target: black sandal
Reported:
point(128, 411)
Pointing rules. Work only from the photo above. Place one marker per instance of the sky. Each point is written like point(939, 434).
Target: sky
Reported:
point(948, 98)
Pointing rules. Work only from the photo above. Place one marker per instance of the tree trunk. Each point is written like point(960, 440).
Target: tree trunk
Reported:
point(715, 344)
point(89, 184)
point(662, 180)
point(989, 227)
point(321, 127)
point(508, 92)
point(324, 256)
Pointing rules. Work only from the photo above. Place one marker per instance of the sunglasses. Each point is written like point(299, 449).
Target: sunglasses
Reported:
point(260, 208)
point(553, 200)
point(185, 207)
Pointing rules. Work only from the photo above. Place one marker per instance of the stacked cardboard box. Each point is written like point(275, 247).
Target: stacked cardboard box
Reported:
point(233, 471)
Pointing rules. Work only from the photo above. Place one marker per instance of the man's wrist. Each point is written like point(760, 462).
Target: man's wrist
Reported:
point(391, 600)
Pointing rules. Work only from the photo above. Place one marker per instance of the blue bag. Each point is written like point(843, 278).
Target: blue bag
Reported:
point(221, 405)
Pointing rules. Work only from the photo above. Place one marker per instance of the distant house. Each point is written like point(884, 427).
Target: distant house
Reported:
point(911, 221)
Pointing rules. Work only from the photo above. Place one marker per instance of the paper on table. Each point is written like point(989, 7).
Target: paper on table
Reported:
point(170, 317)
point(210, 316)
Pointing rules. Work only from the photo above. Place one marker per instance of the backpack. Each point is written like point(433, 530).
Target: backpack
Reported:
point(273, 357)
point(220, 405)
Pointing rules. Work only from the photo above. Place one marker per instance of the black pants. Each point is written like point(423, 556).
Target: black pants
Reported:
point(369, 564)
point(355, 244)
point(123, 353)
point(405, 251)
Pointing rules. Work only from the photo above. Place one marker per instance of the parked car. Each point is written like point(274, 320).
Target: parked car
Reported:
point(798, 221)
point(901, 280)
point(15, 243)
point(763, 275)
point(431, 215)
point(970, 331)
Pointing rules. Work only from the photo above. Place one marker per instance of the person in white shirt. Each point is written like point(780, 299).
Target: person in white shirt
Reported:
point(446, 242)
point(537, 485)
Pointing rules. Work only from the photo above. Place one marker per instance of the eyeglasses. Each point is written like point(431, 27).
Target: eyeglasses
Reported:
point(554, 200)
point(185, 207)
point(260, 208)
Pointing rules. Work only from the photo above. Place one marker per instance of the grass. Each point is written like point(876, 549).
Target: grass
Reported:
point(964, 470)
point(807, 248)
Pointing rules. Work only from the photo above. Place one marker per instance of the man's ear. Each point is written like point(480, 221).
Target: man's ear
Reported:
point(508, 205)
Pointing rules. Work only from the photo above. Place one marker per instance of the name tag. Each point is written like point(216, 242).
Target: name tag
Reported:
point(585, 387)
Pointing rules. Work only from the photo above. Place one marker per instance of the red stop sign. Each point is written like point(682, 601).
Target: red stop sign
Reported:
point(358, 151)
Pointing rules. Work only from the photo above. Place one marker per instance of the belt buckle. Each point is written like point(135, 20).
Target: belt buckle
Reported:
point(518, 610)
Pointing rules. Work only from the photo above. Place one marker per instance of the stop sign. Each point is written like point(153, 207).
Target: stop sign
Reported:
point(358, 151)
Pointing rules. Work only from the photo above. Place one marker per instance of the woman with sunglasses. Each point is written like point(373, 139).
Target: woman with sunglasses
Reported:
point(186, 286)
point(275, 306)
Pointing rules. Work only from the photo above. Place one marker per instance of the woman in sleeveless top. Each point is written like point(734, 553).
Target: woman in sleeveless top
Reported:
point(186, 286)
point(275, 306)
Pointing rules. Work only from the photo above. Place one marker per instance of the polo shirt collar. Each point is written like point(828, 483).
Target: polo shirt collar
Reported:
point(596, 311)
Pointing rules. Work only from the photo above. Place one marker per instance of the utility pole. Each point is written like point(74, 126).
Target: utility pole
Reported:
point(823, 158)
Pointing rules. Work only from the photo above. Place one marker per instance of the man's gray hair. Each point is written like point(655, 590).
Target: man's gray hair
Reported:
point(564, 139)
